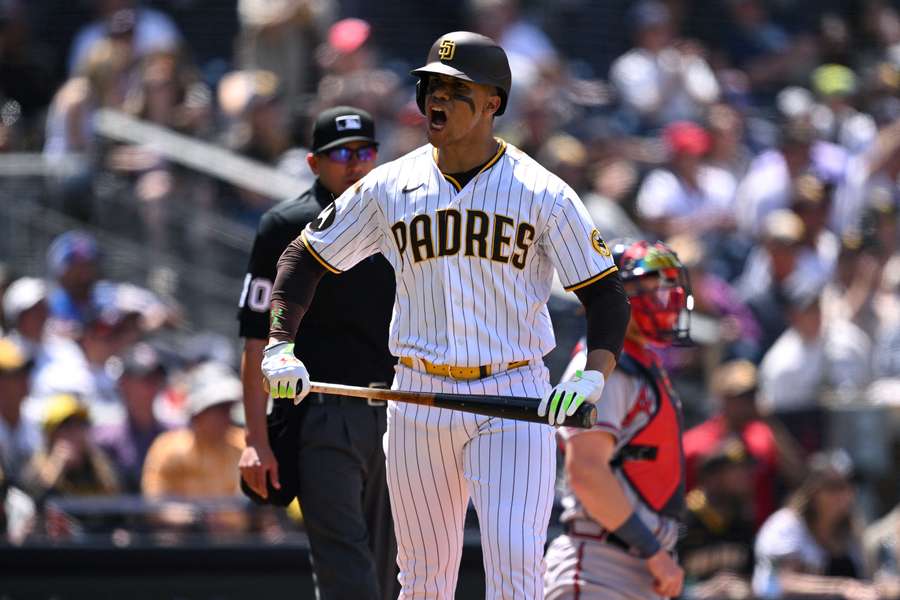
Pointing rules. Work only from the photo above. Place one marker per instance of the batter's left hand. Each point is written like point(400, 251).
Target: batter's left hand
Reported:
point(567, 396)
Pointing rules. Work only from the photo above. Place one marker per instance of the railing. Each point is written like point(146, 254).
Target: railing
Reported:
point(183, 249)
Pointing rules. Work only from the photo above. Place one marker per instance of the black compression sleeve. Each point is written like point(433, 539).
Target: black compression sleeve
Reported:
point(608, 311)
point(295, 285)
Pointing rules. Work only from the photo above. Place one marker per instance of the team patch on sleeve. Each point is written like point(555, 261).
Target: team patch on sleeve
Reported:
point(599, 245)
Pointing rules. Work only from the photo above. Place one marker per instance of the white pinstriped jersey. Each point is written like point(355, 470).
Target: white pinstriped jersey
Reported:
point(474, 266)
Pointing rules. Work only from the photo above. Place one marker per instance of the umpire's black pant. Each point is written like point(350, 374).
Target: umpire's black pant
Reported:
point(344, 500)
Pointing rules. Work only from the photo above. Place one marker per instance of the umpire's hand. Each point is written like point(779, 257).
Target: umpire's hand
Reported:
point(284, 373)
point(258, 462)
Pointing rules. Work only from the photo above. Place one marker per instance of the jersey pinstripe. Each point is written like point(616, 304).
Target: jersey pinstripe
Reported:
point(474, 266)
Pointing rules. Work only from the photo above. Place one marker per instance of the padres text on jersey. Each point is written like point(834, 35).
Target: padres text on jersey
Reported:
point(474, 264)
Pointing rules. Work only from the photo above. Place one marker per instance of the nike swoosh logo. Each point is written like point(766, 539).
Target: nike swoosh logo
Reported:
point(407, 190)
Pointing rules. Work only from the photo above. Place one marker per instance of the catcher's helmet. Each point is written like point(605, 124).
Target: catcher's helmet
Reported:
point(663, 314)
point(467, 56)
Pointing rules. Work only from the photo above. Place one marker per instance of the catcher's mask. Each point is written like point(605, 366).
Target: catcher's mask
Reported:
point(658, 288)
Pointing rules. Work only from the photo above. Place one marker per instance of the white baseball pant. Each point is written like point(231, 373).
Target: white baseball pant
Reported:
point(438, 458)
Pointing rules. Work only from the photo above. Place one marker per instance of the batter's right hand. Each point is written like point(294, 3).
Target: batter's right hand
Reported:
point(668, 577)
point(285, 374)
point(256, 464)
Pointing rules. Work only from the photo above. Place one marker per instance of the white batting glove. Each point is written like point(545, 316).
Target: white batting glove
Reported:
point(285, 373)
point(567, 396)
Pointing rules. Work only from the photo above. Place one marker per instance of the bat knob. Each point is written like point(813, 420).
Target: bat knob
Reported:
point(585, 416)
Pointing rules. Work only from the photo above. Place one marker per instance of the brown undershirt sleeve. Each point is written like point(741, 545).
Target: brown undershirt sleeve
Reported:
point(295, 285)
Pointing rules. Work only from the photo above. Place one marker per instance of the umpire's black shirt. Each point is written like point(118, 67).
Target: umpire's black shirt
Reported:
point(343, 336)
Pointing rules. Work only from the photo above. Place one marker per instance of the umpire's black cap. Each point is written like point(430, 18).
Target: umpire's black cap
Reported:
point(341, 125)
point(470, 57)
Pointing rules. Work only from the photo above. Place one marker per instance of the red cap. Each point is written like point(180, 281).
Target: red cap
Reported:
point(347, 35)
point(685, 137)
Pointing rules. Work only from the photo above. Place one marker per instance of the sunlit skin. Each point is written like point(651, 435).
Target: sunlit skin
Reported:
point(211, 425)
point(460, 121)
point(337, 177)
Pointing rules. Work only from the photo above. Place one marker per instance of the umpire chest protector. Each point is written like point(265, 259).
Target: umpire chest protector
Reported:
point(653, 459)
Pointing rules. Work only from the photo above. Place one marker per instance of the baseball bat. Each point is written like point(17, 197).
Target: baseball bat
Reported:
point(509, 407)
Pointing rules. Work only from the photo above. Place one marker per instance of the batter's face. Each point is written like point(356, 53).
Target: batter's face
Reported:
point(454, 109)
point(338, 176)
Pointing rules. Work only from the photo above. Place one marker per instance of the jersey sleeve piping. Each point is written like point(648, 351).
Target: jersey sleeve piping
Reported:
point(591, 280)
point(316, 255)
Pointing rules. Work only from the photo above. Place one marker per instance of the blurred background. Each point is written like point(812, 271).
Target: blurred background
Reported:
point(140, 142)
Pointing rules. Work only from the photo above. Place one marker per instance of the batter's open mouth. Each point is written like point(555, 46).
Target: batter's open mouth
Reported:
point(437, 118)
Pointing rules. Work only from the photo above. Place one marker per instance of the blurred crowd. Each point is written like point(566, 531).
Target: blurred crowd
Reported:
point(760, 138)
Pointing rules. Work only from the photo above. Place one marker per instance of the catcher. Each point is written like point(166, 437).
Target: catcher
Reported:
point(624, 477)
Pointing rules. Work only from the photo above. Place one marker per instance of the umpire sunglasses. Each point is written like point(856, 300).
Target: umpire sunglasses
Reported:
point(344, 154)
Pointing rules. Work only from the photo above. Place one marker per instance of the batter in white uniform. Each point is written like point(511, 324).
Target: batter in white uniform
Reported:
point(474, 230)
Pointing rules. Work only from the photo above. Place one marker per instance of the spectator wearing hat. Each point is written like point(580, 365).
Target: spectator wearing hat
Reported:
point(70, 463)
point(25, 312)
point(717, 546)
point(260, 129)
point(142, 378)
point(80, 365)
point(661, 80)
point(253, 100)
point(19, 437)
point(199, 461)
point(771, 272)
point(836, 117)
point(810, 359)
point(775, 456)
point(811, 201)
point(688, 195)
point(811, 548)
point(73, 264)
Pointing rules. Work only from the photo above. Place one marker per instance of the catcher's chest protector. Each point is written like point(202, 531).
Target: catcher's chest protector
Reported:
point(653, 460)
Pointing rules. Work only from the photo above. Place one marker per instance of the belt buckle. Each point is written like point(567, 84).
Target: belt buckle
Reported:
point(380, 385)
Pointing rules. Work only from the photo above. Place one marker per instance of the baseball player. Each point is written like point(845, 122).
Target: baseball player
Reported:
point(338, 462)
point(624, 477)
point(474, 229)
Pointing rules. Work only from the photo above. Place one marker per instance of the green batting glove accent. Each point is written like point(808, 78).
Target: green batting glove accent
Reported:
point(554, 402)
point(572, 397)
point(571, 404)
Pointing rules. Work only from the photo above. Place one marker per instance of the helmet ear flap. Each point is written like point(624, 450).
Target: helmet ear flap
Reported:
point(421, 85)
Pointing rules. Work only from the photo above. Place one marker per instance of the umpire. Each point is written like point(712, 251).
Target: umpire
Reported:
point(339, 466)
